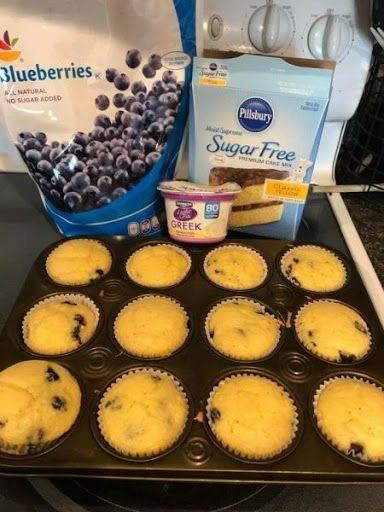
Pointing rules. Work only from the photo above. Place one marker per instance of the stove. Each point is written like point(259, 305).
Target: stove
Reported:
point(41, 495)
point(336, 31)
point(22, 213)
point(114, 495)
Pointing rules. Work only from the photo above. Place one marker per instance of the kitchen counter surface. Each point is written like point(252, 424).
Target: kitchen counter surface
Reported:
point(367, 212)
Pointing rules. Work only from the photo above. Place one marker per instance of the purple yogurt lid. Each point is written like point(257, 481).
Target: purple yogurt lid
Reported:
point(185, 189)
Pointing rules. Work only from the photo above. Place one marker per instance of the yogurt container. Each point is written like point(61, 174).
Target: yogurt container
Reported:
point(198, 213)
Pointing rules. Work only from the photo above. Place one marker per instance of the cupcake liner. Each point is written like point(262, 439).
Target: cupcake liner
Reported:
point(60, 297)
point(107, 443)
point(318, 353)
point(29, 449)
point(143, 298)
point(58, 247)
point(293, 281)
point(233, 300)
point(174, 247)
point(37, 448)
point(272, 457)
point(243, 247)
point(355, 457)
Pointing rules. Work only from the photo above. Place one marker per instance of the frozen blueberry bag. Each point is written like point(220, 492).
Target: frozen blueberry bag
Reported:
point(94, 98)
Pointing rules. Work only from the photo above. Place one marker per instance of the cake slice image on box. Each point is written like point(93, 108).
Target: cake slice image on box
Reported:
point(250, 207)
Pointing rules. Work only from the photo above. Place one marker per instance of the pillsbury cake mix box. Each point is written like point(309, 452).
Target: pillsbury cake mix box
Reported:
point(257, 121)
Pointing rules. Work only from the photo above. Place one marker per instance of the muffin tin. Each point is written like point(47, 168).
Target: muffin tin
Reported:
point(198, 367)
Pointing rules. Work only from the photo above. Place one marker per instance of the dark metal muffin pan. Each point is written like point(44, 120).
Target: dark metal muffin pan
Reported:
point(197, 366)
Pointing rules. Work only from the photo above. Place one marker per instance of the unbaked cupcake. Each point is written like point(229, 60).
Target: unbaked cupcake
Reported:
point(60, 324)
point(235, 267)
point(158, 266)
point(350, 414)
point(40, 402)
point(314, 268)
point(151, 326)
point(242, 329)
point(78, 262)
point(333, 331)
point(143, 413)
point(252, 416)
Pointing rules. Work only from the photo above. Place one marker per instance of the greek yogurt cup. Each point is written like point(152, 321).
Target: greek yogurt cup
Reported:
point(198, 213)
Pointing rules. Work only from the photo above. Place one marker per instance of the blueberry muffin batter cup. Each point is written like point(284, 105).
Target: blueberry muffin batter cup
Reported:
point(40, 403)
point(143, 414)
point(349, 415)
point(60, 324)
point(158, 265)
point(243, 329)
point(252, 417)
point(78, 262)
point(313, 268)
point(235, 267)
point(332, 331)
point(152, 326)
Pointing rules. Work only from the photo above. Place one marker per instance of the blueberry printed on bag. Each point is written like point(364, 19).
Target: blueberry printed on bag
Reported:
point(99, 126)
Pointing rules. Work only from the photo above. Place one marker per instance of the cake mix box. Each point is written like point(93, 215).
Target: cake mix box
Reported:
point(94, 95)
point(257, 121)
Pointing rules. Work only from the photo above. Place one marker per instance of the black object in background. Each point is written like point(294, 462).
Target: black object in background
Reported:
point(378, 13)
point(361, 155)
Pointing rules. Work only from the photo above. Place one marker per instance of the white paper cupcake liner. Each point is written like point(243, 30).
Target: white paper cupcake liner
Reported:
point(28, 449)
point(142, 298)
point(254, 252)
point(57, 298)
point(318, 353)
point(332, 442)
point(268, 457)
point(311, 246)
point(173, 247)
point(153, 453)
point(236, 300)
point(85, 239)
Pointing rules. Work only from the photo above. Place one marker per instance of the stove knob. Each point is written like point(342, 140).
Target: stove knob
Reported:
point(215, 26)
point(329, 37)
point(269, 28)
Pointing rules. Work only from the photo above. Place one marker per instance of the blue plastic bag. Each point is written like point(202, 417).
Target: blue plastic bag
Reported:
point(96, 100)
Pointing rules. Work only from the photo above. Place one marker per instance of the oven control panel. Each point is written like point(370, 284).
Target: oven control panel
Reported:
point(314, 29)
